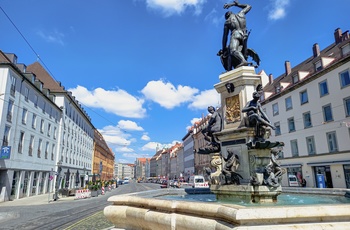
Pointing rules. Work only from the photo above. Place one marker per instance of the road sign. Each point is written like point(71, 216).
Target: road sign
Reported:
point(5, 152)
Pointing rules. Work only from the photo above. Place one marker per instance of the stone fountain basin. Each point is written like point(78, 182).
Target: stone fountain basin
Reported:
point(134, 212)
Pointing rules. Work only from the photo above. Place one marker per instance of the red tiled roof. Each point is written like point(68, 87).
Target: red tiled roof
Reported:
point(45, 77)
point(307, 66)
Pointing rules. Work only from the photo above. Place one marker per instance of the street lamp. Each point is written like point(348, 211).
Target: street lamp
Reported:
point(84, 176)
point(59, 169)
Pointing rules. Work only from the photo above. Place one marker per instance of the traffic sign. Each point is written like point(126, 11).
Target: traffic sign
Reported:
point(5, 152)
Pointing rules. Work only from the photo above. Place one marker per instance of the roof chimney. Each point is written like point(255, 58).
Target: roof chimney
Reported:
point(287, 67)
point(337, 35)
point(345, 35)
point(270, 78)
point(316, 50)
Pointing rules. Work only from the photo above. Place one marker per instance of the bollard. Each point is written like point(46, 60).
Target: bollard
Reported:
point(103, 191)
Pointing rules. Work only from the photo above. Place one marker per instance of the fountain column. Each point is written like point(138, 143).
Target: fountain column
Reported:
point(243, 155)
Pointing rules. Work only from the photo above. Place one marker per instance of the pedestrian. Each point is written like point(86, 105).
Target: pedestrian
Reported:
point(303, 182)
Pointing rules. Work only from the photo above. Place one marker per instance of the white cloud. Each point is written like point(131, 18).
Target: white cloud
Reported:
point(170, 7)
point(129, 125)
point(204, 99)
point(166, 95)
point(114, 136)
point(118, 101)
point(278, 10)
point(52, 37)
point(214, 18)
point(194, 120)
point(150, 146)
point(123, 150)
point(145, 137)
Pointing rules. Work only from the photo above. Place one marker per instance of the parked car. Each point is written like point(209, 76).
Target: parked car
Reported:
point(293, 181)
point(174, 184)
point(126, 180)
point(164, 184)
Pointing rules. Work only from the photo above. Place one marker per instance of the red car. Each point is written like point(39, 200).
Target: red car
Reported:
point(164, 184)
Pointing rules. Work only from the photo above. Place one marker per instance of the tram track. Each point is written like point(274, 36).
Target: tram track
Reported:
point(68, 214)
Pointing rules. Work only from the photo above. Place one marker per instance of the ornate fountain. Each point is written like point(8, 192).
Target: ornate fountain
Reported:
point(244, 159)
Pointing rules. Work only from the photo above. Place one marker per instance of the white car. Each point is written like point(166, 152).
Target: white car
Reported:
point(126, 181)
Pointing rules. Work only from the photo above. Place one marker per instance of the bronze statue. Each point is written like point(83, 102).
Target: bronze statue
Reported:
point(255, 116)
point(231, 164)
point(214, 125)
point(273, 171)
point(236, 53)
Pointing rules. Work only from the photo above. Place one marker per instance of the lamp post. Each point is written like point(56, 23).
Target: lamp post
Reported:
point(59, 169)
point(84, 183)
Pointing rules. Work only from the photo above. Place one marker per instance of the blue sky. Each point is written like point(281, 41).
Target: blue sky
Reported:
point(145, 69)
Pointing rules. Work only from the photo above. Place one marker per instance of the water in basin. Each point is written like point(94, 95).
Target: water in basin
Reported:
point(283, 199)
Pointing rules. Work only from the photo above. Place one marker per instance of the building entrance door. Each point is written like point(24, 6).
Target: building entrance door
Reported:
point(325, 172)
point(347, 175)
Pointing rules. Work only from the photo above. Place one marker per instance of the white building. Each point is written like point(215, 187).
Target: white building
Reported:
point(125, 170)
point(76, 132)
point(188, 155)
point(42, 125)
point(310, 107)
point(29, 124)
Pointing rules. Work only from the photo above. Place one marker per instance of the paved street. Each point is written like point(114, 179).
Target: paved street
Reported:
point(38, 213)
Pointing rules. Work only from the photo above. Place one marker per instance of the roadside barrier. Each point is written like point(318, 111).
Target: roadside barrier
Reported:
point(82, 194)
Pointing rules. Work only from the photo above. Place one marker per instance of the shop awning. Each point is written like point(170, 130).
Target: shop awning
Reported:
point(328, 163)
point(291, 165)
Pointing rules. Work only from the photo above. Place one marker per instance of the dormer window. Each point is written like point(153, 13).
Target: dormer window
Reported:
point(318, 65)
point(345, 49)
point(278, 89)
point(295, 78)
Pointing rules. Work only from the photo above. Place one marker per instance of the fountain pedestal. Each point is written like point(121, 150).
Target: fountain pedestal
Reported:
point(245, 150)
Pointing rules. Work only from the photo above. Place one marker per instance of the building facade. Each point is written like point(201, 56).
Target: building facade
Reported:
point(30, 125)
point(142, 168)
point(48, 138)
point(76, 133)
point(103, 159)
point(125, 170)
point(310, 107)
point(188, 154)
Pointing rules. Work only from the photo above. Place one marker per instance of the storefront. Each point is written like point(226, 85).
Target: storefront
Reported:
point(347, 175)
point(293, 171)
point(323, 176)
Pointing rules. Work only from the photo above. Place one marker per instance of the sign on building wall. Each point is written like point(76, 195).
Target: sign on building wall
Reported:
point(5, 152)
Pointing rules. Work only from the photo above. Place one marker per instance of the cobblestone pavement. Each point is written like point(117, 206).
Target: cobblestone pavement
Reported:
point(97, 221)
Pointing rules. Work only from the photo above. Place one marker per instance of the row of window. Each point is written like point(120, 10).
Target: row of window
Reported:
point(310, 144)
point(35, 100)
point(323, 91)
point(307, 121)
point(48, 153)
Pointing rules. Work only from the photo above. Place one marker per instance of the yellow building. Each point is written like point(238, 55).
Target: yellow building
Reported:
point(103, 159)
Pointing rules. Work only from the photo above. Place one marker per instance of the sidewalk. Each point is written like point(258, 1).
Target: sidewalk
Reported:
point(97, 221)
point(36, 200)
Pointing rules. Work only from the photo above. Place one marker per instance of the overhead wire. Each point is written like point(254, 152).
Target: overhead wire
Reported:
point(52, 75)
